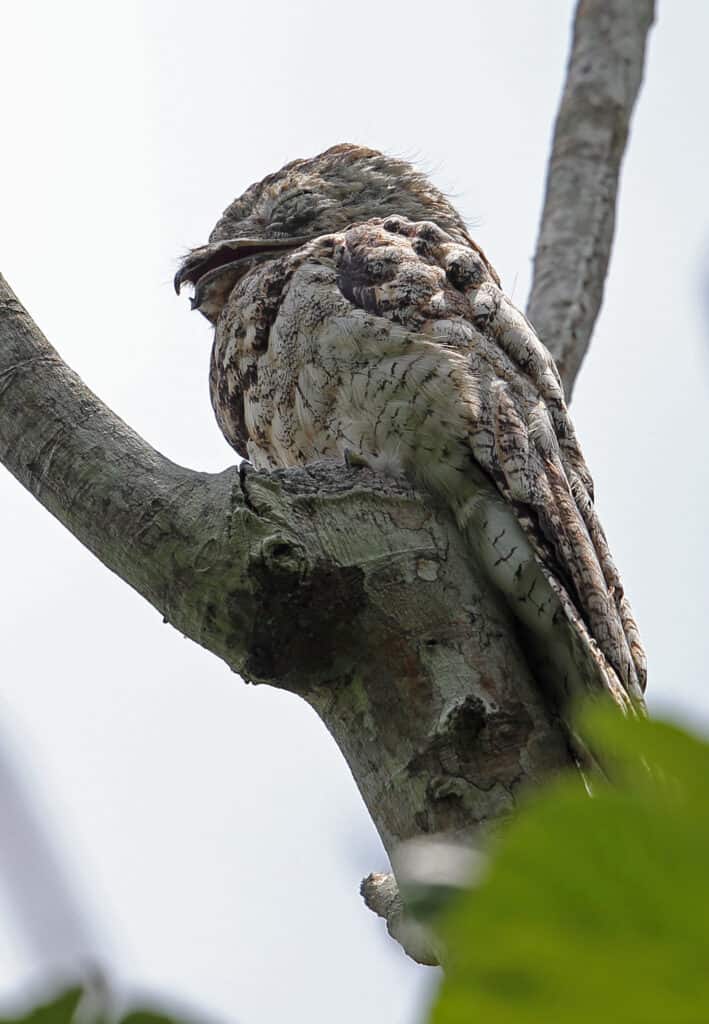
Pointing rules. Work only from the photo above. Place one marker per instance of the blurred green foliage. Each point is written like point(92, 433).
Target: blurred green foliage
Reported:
point(593, 910)
point(80, 1006)
point(60, 1010)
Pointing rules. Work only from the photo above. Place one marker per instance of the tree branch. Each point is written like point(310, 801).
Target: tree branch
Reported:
point(339, 585)
point(576, 233)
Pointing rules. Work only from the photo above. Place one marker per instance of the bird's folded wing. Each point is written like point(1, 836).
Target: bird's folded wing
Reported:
point(519, 429)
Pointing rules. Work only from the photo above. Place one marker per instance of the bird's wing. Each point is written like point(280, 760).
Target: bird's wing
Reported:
point(519, 430)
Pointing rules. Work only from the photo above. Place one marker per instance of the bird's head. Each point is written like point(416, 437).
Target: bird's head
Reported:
point(344, 185)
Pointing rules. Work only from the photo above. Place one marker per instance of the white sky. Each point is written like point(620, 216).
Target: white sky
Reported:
point(212, 830)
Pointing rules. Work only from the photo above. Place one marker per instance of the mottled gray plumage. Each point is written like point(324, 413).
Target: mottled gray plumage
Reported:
point(354, 314)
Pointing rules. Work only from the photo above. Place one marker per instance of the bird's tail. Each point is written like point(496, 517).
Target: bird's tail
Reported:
point(564, 656)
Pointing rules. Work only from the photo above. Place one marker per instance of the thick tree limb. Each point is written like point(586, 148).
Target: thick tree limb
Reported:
point(576, 233)
point(341, 586)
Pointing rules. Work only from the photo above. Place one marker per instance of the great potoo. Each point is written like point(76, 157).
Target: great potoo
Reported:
point(355, 316)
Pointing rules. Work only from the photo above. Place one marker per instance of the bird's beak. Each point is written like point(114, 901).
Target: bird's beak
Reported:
point(214, 269)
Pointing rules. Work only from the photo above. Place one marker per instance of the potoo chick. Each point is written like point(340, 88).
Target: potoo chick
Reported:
point(355, 317)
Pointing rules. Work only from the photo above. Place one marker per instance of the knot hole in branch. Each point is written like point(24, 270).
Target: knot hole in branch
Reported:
point(282, 555)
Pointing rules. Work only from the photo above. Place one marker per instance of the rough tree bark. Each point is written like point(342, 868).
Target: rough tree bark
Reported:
point(348, 589)
point(603, 79)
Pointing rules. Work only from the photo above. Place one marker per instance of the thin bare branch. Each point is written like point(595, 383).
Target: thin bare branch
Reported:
point(48, 904)
point(576, 233)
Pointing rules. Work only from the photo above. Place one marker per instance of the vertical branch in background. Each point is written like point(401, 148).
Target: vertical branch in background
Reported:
point(603, 78)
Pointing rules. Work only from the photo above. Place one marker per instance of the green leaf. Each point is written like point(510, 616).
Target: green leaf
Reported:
point(147, 1017)
point(60, 1010)
point(594, 910)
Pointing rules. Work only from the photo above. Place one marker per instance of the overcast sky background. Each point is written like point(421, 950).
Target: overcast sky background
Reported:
point(213, 834)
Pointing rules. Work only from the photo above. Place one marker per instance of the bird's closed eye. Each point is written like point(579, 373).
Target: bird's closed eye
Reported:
point(299, 220)
point(293, 213)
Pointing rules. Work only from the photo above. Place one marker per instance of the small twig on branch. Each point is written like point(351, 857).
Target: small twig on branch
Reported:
point(381, 895)
point(603, 78)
